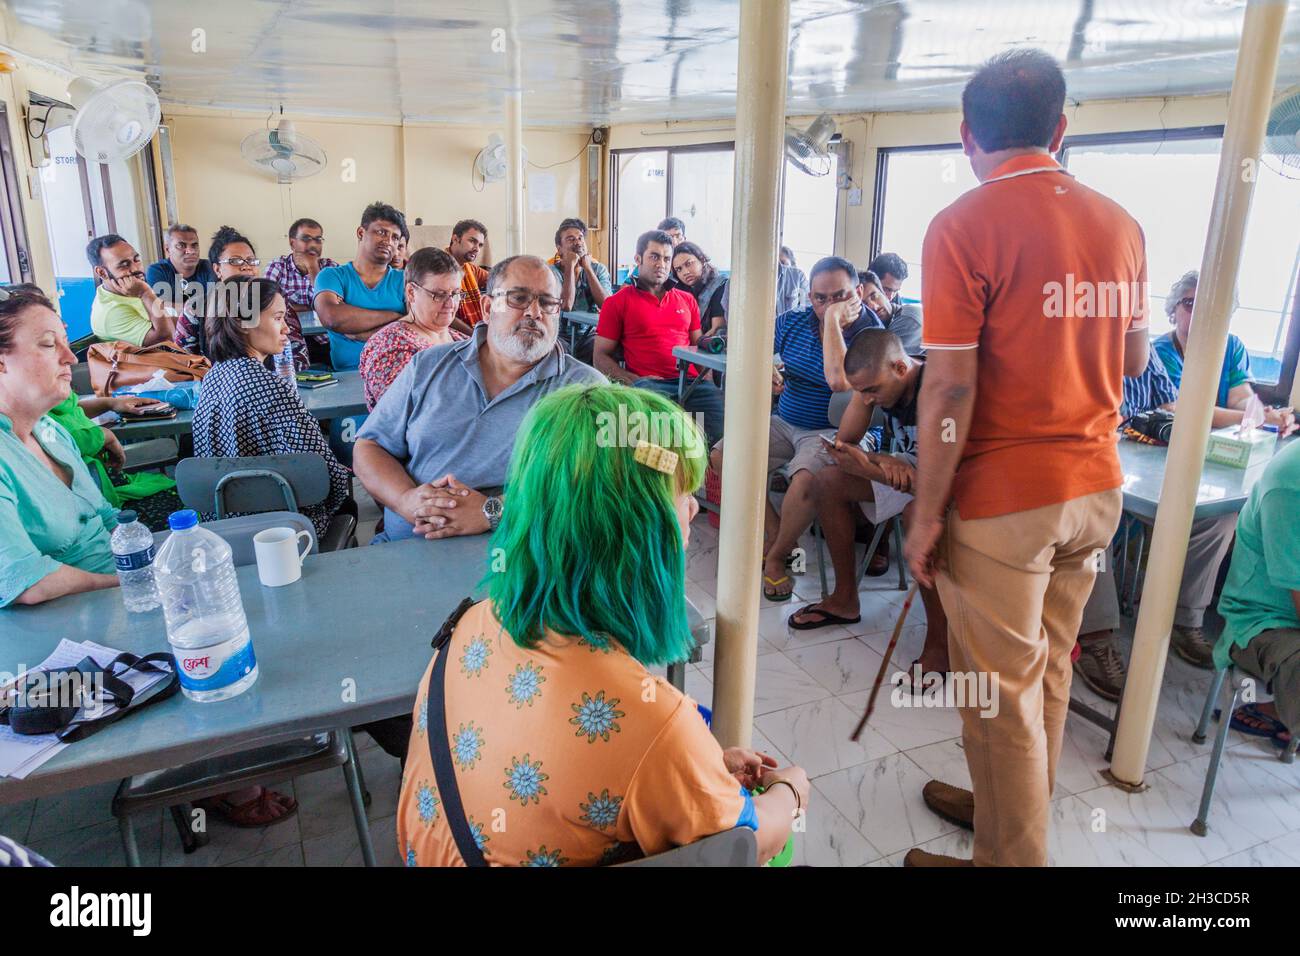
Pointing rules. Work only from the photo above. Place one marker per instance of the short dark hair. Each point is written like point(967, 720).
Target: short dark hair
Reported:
point(229, 305)
point(498, 273)
point(890, 262)
point(18, 298)
point(573, 222)
point(180, 227)
point(98, 245)
point(871, 350)
point(672, 222)
point(833, 264)
point(299, 223)
point(465, 225)
point(383, 212)
point(430, 261)
point(1014, 101)
point(654, 235)
point(224, 237)
point(868, 275)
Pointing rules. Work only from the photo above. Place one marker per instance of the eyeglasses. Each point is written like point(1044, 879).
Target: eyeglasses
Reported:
point(1188, 302)
point(239, 262)
point(521, 299)
point(309, 238)
point(440, 297)
point(842, 296)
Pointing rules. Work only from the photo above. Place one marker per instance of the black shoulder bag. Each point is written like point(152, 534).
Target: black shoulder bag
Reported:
point(48, 701)
point(440, 747)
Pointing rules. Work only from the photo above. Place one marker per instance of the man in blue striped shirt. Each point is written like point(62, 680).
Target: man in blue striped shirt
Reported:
point(811, 343)
point(1099, 664)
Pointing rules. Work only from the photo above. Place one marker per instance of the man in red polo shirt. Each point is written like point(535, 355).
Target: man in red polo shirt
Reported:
point(649, 319)
point(1018, 411)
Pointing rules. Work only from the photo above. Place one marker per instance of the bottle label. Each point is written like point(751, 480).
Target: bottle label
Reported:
point(134, 561)
point(216, 666)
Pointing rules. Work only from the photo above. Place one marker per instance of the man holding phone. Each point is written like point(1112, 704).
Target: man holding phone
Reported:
point(125, 308)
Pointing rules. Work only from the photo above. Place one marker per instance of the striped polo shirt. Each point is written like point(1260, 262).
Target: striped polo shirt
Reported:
point(798, 341)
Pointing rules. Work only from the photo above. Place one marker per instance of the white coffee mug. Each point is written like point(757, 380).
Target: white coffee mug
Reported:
point(278, 560)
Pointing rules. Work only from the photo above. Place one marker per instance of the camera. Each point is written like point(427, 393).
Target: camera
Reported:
point(1157, 424)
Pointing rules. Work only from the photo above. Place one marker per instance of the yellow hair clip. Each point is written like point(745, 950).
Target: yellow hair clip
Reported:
point(656, 457)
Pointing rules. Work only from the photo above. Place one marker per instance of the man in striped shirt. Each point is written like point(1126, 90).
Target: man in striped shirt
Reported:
point(468, 237)
point(811, 343)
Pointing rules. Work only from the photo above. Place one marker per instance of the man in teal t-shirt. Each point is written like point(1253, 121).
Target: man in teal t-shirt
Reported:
point(354, 301)
point(1261, 598)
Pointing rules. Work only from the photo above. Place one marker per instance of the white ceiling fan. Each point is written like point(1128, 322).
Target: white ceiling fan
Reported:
point(283, 153)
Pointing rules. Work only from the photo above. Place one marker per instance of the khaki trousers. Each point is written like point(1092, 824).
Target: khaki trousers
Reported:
point(1014, 587)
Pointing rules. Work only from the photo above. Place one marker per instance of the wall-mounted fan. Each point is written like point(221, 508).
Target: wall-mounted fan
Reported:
point(1282, 135)
point(492, 160)
point(110, 121)
point(809, 149)
point(283, 153)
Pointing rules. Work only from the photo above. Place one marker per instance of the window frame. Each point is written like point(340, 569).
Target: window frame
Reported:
point(1278, 392)
point(13, 223)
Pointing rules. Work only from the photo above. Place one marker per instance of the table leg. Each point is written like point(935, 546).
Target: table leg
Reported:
point(681, 382)
point(358, 805)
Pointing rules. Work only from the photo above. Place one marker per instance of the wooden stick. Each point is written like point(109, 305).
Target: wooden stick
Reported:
point(884, 665)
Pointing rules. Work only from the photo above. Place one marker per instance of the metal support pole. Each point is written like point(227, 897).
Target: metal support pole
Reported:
point(515, 149)
point(760, 144)
point(1248, 105)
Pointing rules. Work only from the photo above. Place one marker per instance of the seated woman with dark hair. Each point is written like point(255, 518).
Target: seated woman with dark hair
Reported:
point(433, 280)
point(244, 408)
point(551, 710)
point(694, 271)
point(232, 255)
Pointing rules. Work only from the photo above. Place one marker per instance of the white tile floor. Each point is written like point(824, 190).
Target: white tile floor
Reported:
point(867, 808)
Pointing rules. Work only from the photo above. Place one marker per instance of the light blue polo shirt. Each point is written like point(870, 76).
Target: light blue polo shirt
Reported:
point(436, 418)
point(43, 522)
point(388, 296)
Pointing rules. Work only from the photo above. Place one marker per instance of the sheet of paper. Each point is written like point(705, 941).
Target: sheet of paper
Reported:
point(541, 192)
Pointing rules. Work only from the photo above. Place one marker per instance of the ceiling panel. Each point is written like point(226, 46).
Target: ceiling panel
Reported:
point(593, 62)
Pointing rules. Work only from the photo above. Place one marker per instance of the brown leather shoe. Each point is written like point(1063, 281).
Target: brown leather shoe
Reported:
point(1190, 644)
point(952, 803)
point(919, 857)
point(1100, 667)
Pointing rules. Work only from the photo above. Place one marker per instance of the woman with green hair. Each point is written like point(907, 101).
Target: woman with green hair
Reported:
point(540, 737)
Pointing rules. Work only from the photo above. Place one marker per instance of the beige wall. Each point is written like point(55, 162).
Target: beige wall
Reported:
point(424, 170)
point(868, 132)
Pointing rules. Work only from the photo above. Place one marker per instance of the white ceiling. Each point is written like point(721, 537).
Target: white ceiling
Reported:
point(618, 61)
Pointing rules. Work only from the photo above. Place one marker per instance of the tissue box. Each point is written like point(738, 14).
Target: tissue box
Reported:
point(1228, 448)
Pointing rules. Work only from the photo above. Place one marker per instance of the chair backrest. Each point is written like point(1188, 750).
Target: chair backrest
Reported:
point(238, 532)
point(839, 404)
point(261, 483)
point(734, 847)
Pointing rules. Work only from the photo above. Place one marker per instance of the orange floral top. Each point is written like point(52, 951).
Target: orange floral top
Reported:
point(386, 354)
point(565, 755)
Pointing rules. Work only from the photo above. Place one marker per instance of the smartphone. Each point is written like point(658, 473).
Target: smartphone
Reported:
point(161, 410)
point(828, 442)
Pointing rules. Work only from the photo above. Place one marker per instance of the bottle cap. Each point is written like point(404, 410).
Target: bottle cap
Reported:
point(181, 520)
point(126, 516)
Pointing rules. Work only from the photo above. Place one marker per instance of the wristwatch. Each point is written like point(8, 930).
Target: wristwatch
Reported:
point(492, 508)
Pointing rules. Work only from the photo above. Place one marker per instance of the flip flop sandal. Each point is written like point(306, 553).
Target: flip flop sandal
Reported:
point(905, 681)
point(775, 583)
point(1270, 726)
point(253, 814)
point(827, 619)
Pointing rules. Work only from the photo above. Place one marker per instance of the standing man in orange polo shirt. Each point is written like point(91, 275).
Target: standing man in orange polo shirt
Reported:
point(468, 237)
point(1034, 297)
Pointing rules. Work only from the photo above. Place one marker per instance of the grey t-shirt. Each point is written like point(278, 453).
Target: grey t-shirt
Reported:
point(906, 324)
point(436, 418)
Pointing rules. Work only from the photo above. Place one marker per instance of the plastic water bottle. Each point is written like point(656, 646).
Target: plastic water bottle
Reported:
point(133, 554)
point(284, 363)
point(206, 626)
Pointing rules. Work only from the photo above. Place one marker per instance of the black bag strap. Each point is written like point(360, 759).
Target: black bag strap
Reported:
point(123, 694)
point(440, 747)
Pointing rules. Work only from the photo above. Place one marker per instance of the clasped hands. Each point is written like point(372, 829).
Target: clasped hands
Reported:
point(444, 508)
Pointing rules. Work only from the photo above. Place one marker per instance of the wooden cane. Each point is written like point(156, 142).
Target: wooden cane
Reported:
point(884, 665)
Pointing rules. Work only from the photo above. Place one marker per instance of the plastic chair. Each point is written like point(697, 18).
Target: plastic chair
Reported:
point(702, 631)
point(81, 375)
point(1238, 684)
point(735, 847)
point(263, 483)
point(151, 453)
point(238, 532)
point(177, 787)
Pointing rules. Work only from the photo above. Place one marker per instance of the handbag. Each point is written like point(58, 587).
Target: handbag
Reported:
point(49, 700)
point(117, 364)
